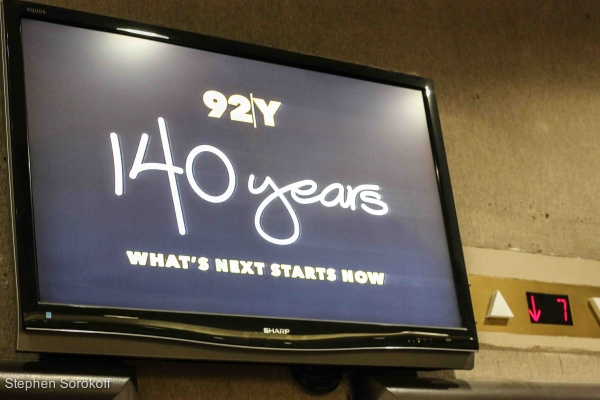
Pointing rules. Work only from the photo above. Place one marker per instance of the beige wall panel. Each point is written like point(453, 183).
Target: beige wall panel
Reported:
point(533, 267)
point(527, 365)
point(191, 381)
point(517, 84)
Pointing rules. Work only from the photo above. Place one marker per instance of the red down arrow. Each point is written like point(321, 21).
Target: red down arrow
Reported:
point(535, 314)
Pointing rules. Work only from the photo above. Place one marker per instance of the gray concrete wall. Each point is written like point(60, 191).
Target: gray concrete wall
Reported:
point(518, 91)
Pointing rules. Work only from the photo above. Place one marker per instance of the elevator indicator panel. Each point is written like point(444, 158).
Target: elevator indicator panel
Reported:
point(549, 309)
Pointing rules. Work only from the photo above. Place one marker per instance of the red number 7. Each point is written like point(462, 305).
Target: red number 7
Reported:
point(564, 301)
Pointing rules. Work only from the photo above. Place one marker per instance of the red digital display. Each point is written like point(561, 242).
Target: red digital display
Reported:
point(549, 309)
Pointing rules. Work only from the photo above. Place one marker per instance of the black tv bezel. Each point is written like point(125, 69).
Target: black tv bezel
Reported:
point(220, 330)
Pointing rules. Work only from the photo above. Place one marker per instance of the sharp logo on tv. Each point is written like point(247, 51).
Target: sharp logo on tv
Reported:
point(276, 331)
point(304, 191)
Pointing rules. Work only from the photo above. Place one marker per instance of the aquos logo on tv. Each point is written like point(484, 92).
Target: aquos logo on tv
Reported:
point(305, 191)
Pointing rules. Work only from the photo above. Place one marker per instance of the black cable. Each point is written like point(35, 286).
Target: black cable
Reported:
point(318, 380)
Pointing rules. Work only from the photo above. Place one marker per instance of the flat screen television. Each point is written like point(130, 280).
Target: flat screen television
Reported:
point(176, 195)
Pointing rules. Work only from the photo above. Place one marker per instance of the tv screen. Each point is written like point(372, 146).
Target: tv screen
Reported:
point(177, 186)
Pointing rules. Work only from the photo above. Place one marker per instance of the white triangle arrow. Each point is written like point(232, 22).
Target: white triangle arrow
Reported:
point(498, 307)
point(595, 303)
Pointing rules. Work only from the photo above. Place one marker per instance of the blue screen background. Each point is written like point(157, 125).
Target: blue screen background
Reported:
point(82, 85)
